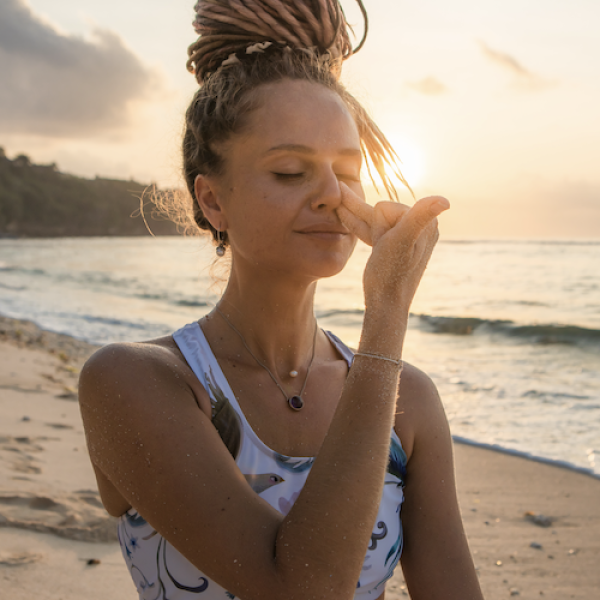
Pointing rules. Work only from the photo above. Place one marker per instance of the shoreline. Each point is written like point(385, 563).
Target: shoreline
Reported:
point(533, 528)
point(26, 333)
point(558, 464)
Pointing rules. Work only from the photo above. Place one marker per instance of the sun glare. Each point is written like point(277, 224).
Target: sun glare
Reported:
point(412, 163)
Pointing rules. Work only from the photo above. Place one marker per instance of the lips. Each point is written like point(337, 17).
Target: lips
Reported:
point(325, 228)
point(325, 233)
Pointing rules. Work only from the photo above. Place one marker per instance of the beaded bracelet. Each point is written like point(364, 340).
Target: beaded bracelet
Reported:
point(398, 363)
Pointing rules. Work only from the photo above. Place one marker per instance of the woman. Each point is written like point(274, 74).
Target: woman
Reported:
point(251, 454)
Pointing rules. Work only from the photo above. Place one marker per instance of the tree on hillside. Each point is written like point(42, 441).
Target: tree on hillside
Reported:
point(39, 200)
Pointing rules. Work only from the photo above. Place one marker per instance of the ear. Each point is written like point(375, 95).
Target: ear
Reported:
point(208, 198)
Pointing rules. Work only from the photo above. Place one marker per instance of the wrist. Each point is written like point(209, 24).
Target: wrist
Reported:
point(383, 332)
point(386, 359)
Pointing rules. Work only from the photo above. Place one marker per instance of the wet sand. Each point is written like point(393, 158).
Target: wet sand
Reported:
point(534, 529)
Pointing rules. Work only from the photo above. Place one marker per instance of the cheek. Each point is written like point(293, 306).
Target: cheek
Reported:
point(259, 212)
point(253, 223)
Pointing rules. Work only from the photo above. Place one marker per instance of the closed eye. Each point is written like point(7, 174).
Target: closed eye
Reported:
point(344, 177)
point(288, 176)
point(297, 176)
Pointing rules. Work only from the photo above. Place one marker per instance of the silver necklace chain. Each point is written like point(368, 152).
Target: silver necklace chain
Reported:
point(294, 402)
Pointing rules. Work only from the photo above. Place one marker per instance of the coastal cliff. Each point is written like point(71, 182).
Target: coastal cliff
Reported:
point(40, 201)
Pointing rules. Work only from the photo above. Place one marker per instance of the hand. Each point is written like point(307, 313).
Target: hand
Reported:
point(402, 238)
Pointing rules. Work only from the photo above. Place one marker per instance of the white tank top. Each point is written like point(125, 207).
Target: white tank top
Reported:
point(159, 571)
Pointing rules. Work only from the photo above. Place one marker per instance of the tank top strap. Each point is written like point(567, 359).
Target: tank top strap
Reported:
point(344, 351)
point(226, 414)
point(197, 352)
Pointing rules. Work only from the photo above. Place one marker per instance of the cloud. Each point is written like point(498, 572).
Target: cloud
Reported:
point(430, 86)
point(523, 77)
point(505, 60)
point(62, 85)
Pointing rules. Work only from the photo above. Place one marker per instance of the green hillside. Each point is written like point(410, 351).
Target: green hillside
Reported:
point(40, 201)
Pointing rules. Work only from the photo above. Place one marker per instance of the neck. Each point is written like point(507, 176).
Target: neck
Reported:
point(275, 317)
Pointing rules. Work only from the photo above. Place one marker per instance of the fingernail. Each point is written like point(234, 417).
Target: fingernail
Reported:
point(442, 204)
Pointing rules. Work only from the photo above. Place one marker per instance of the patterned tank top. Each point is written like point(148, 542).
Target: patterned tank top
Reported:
point(159, 571)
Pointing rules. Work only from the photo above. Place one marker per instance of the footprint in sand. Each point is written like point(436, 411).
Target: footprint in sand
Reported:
point(25, 466)
point(18, 453)
point(78, 516)
point(21, 444)
point(59, 426)
point(19, 559)
point(20, 388)
point(30, 501)
point(68, 395)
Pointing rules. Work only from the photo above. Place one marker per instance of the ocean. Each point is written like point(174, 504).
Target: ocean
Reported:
point(508, 330)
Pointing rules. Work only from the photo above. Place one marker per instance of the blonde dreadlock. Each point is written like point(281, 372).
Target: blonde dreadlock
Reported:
point(229, 26)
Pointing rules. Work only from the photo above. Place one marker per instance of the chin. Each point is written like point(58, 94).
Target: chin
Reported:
point(327, 265)
point(305, 264)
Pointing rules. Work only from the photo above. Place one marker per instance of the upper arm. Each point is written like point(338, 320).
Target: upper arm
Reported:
point(436, 560)
point(147, 435)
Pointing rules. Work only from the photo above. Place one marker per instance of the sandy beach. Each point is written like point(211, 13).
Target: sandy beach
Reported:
point(534, 529)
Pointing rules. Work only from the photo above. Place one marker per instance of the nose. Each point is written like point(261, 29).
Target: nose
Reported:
point(327, 194)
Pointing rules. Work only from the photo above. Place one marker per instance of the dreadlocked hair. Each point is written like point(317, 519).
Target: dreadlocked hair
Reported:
point(228, 26)
point(245, 44)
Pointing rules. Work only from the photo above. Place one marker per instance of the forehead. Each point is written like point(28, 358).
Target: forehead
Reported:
point(302, 113)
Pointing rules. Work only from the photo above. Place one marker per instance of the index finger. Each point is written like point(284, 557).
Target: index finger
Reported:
point(357, 226)
point(356, 205)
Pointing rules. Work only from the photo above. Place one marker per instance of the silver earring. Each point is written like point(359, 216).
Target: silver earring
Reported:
point(221, 247)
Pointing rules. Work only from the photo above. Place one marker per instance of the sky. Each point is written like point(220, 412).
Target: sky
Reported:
point(491, 104)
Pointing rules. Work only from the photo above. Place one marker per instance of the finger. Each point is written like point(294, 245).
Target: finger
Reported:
point(380, 225)
point(424, 212)
point(355, 224)
point(428, 244)
point(426, 241)
point(356, 205)
point(393, 211)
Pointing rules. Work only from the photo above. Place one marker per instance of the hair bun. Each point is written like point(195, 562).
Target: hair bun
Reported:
point(228, 26)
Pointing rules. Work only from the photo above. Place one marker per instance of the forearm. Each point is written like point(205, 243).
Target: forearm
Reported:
point(331, 523)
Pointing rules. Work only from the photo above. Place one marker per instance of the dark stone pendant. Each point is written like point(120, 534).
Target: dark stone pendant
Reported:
point(296, 403)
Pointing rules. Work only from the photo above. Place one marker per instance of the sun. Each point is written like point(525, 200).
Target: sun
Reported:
point(412, 163)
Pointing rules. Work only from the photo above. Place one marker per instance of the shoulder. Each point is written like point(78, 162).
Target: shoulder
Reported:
point(133, 394)
point(129, 357)
point(420, 413)
point(416, 385)
point(116, 364)
point(130, 374)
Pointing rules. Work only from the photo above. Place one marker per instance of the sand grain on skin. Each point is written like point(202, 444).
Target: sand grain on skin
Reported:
point(50, 511)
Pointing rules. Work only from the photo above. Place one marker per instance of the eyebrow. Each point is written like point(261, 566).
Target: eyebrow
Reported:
point(301, 149)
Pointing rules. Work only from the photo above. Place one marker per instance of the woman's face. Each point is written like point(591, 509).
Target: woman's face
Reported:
point(280, 188)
